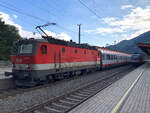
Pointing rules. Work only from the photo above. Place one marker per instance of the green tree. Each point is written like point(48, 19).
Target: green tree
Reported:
point(8, 34)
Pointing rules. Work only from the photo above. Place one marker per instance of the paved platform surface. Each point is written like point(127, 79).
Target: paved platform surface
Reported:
point(131, 94)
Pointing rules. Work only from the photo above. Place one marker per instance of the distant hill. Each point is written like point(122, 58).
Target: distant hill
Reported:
point(129, 46)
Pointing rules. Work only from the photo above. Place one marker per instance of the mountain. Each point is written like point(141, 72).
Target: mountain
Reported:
point(129, 46)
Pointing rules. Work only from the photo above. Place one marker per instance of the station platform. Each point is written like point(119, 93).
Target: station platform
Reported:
point(130, 94)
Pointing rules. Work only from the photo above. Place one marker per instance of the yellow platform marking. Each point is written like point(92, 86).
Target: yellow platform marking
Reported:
point(125, 95)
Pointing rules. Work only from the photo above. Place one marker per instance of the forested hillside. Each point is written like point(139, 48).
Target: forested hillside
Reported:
point(130, 45)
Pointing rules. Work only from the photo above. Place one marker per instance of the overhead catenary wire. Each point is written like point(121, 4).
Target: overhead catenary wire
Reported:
point(92, 11)
point(12, 7)
point(17, 10)
point(23, 13)
point(41, 8)
point(57, 25)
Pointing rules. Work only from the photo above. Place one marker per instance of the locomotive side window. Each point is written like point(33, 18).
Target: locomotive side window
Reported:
point(63, 50)
point(44, 49)
point(76, 51)
point(108, 57)
point(84, 51)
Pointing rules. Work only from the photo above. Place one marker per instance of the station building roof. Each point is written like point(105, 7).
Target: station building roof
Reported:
point(145, 47)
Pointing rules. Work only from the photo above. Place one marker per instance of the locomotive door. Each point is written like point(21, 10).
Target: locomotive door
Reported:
point(57, 60)
point(95, 58)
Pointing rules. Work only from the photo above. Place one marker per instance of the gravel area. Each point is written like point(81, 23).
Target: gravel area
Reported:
point(25, 100)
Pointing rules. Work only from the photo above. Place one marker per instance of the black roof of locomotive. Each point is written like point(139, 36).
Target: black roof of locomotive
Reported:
point(57, 41)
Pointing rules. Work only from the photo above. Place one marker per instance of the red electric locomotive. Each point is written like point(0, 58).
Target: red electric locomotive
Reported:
point(36, 60)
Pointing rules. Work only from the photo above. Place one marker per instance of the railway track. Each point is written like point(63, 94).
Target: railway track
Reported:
point(66, 102)
point(12, 92)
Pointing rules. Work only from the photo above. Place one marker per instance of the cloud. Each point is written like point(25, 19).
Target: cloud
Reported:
point(126, 7)
point(108, 19)
point(62, 36)
point(28, 34)
point(105, 30)
point(15, 16)
point(49, 33)
point(137, 21)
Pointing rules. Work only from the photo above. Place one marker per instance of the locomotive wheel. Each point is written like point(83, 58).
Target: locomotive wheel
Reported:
point(49, 79)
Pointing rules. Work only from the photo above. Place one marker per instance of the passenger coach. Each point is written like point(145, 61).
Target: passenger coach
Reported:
point(111, 58)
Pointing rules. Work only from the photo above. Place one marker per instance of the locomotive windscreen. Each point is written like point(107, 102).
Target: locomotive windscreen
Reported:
point(25, 48)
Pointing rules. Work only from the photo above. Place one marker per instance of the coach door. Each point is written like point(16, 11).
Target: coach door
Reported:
point(95, 58)
point(57, 60)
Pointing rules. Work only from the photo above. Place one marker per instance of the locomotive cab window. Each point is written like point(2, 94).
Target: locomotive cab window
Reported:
point(76, 51)
point(26, 48)
point(44, 49)
point(63, 50)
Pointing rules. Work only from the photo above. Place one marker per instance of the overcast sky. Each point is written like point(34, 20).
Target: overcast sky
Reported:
point(112, 20)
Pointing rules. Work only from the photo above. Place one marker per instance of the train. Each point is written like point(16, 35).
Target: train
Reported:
point(38, 60)
point(137, 59)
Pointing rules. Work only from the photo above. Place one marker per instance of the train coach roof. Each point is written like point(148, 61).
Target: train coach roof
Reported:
point(59, 42)
point(105, 50)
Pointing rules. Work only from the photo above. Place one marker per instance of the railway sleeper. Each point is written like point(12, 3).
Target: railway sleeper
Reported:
point(61, 105)
point(80, 94)
point(74, 98)
point(68, 102)
point(77, 97)
point(86, 93)
point(55, 106)
point(71, 99)
point(37, 111)
point(52, 110)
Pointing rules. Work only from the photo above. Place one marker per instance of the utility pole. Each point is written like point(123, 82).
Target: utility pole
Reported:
point(79, 32)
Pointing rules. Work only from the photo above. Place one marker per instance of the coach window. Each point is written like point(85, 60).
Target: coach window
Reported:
point(76, 51)
point(111, 57)
point(63, 50)
point(103, 56)
point(44, 49)
point(107, 57)
point(84, 51)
